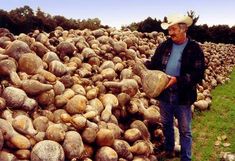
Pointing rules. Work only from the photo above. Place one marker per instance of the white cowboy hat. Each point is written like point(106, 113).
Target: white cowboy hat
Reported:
point(176, 18)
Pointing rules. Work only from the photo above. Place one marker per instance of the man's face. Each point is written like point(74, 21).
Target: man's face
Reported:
point(176, 33)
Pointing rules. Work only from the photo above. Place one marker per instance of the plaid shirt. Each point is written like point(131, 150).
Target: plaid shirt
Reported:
point(192, 72)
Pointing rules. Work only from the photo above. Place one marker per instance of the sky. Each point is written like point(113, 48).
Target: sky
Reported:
point(117, 13)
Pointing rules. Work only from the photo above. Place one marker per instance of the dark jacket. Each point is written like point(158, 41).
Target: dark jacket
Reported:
point(191, 73)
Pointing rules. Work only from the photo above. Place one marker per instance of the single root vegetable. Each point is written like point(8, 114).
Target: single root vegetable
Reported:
point(5, 156)
point(106, 153)
point(122, 149)
point(89, 135)
point(65, 49)
point(16, 49)
point(117, 131)
point(41, 123)
point(79, 89)
point(108, 73)
point(22, 154)
point(49, 57)
point(34, 87)
point(129, 86)
point(109, 101)
point(126, 74)
point(55, 132)
point(78, 121)
point(96, 104)
point(17, 98)
point(33, 64)
point(8, 67)
point(132, 135)
point(47, 150)
point(73, 145)
point(39, 48)
point(201, 104)
point(61, 100)
point(76, 105)
point(16, 139)
point(142, 147)
point(90, 112)
point(24, 125)
point(7, 114)
point(46, 98)
point(142, 127)
point(2, 57)
point(150, 114)
point(104, 137)
point(92, 93)
point(153, 81)
point(59, 69)
point(57, 115)
point(58, 87)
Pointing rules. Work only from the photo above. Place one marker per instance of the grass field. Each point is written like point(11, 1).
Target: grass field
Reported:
point(209, 126)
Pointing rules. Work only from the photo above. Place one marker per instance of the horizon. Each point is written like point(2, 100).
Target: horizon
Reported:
point(114, 14)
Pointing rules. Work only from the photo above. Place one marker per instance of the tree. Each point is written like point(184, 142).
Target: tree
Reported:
point(21, 19)
point(220, 33)
point(40, 14)
point(232, 35)
point(193, 16)
point(149, 25)
point(5, 20)
point(203, 30)
point(21, 14)
point(133, 26)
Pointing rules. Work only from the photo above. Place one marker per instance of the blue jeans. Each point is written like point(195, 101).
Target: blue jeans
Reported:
point(184, 116)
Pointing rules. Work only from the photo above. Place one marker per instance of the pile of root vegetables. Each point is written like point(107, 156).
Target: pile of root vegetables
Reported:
point(73, 95)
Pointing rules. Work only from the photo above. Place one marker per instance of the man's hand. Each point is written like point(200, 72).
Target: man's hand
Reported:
point(172, 81)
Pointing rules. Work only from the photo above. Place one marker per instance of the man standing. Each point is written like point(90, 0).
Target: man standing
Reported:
point(182, 60)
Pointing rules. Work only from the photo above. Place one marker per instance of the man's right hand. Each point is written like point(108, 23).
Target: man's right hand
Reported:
point(172, 81)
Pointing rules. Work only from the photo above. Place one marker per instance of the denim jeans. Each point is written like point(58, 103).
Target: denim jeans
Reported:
point(184, 116)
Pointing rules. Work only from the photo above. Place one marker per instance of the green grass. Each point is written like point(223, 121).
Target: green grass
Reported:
point(218, 121)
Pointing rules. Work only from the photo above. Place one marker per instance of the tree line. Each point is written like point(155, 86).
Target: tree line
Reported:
point(201, 33)
point(25, 20)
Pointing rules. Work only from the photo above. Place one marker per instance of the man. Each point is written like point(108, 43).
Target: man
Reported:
point(182, 60)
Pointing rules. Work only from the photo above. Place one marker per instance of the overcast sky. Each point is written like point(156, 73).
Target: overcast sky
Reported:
point(116, 13)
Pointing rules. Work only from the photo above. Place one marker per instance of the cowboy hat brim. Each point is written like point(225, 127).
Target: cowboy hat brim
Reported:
point(175, 19)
